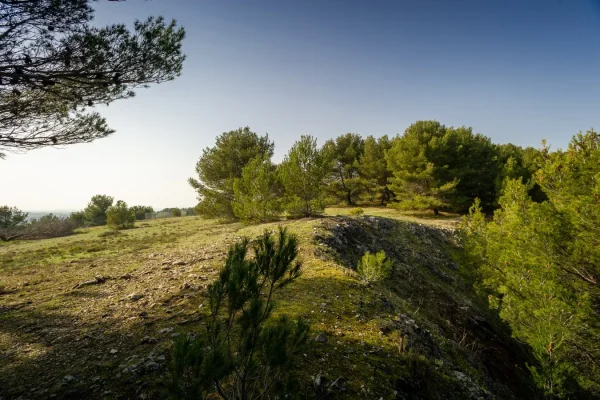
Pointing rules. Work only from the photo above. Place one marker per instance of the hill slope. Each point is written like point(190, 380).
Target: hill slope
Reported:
point(93, 315)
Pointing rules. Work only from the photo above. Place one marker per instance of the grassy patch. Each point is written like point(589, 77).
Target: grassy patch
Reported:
point(54, 322)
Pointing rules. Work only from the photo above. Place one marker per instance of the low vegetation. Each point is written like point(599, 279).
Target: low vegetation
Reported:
point(15, 225)
point(374, 267)
point(242, 354)
point(357, 211)
point(120, 216)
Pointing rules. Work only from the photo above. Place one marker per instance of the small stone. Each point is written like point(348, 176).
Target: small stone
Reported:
point(135, 296)
point(68, 379)
point(178, 262)
point(321, 338)
point(148, 340)
point(165, 330)
point(113, 351)
point(152, 366)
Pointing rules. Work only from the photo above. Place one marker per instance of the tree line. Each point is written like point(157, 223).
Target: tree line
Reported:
point(429, 167)
point(100, 211)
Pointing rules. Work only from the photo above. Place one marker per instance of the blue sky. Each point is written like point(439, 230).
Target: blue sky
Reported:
point(517, 71)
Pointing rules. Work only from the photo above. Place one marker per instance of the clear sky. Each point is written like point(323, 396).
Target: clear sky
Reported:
point(515, 70)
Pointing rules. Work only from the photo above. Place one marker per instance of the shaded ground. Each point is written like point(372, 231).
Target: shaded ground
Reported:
point(93, 315)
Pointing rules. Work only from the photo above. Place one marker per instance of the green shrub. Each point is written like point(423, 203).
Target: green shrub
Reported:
point(374, 267)
point(258, 192)
point(13, 223)
point(78, 218)
point(357, 211)
point(120, 216)
point(95, 212)
point(243, 353)
point(176, 212)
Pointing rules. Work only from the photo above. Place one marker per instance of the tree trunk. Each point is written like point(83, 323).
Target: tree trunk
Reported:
point(436, 211)
point(349, 198)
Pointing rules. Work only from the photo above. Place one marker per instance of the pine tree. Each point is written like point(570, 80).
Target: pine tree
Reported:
point(373, 171)
point(437, 167)
point(258, 192)
point(417, 182)
point(539, 261)
point(120, 216)
point(243, 352)
point(303, 174)
point(221, 165)
point(516, 162)
point(55, 64)
point(13, 223)
point(95, 212)
point(343, 155)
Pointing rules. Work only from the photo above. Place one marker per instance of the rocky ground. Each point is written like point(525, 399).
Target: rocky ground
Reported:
point(94, 315)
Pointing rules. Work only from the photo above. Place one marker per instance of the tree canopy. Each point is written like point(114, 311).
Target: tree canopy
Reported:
point(258, 192)
point(418, 182)
point(12, 223)
point(95, 212)
point(373, 171)
point(55, 67)
point(120, 216)
point(343, 154)
point(437, 167)
point(540, 262)
point(303, 172)
point(221, 165)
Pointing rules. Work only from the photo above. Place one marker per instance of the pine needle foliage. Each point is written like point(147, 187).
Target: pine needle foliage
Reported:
point(539, 263)
point(120, 216)
point(374, 267)
point(243, 352)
